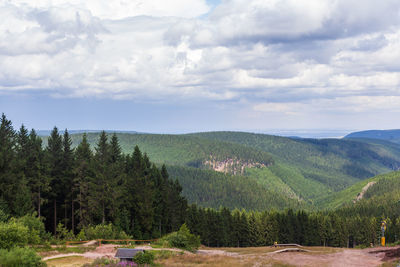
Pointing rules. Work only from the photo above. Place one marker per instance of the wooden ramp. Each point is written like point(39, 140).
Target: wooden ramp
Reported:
point(287, 245)
point(291, 250)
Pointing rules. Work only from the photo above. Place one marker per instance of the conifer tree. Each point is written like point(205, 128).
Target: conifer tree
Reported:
point(116, 179)
point(37, 179)
point(21, 190)
point(55, 171)
point(83, 174)
point(7, 161)
point(100, 192)
point(67, 180)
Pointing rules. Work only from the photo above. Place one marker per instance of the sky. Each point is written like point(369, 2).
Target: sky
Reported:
point(174, 66)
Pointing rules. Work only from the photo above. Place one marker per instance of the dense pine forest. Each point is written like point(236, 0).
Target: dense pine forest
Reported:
point(78, 187)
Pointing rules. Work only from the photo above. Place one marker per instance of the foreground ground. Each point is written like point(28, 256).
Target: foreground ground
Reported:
point(261, 256)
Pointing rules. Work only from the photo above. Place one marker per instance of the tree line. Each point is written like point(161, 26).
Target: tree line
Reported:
point(84, 186)
point(225, 228)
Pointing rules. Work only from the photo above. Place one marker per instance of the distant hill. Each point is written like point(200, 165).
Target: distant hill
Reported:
point(258, 171)
point(388, 135)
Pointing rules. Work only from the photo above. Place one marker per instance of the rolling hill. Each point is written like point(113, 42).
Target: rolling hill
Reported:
point(258, 171)
point(388, 135)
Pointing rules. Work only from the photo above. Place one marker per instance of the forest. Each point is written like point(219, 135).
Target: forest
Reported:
point(82, 187)
point(78, 187)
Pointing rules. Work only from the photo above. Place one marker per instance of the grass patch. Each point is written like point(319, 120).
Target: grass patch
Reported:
point(74, 261)
point(391, 264)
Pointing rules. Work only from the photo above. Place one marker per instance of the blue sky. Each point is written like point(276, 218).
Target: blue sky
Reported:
point(173, 66)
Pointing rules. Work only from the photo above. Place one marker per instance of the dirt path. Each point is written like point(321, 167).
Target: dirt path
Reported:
point(102, 251)
point(216, 252)
point(346, 257)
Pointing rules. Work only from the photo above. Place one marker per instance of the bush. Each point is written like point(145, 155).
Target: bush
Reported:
point(16, 257)
point(144, 258)
point(101, 231)
point(13, 234)
point(182, 239)
point(64, 233)
point(37, 231)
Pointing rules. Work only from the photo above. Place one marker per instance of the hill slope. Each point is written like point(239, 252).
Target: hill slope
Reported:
point(260, 171)
point(388, 135)
point(335, 163)
point(380, 199)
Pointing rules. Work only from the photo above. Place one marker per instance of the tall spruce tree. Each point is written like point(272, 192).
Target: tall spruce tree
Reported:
point(83, 174)
point(116, 179)
point(56, 195)
point(21, 190)
point(36, 171)
point(67, 181)
point(100, 192)
point(7, 161)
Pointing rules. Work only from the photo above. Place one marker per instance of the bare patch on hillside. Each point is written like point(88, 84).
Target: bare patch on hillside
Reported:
point(231, 165)
point(363, 191)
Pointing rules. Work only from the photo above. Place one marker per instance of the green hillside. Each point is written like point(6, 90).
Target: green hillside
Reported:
point(214, 189)
point(381, 199)
point(333, 163)
point(270, 171)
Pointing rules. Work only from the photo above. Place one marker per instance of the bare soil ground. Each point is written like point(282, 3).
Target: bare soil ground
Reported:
point(260, 256)
point(313, 256)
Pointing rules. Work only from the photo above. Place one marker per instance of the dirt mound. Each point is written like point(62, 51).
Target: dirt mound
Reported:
point(389, 254)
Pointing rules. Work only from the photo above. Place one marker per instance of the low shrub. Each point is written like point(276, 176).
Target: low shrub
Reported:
point(37, 231)
point(144, 258)
point(182, 239)
point(13, 234)
point(16, 257)
point(63, 233)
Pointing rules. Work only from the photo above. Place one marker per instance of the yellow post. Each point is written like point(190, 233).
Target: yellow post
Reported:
point(383, 241)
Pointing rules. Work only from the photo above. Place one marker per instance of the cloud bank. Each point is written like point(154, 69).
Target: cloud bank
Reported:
point(278, 56)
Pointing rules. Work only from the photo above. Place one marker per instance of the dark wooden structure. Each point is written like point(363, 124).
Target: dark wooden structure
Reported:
point(127, 254)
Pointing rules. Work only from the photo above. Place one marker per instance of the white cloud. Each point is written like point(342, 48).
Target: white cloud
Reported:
point(282, 56)
point(120, 9)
